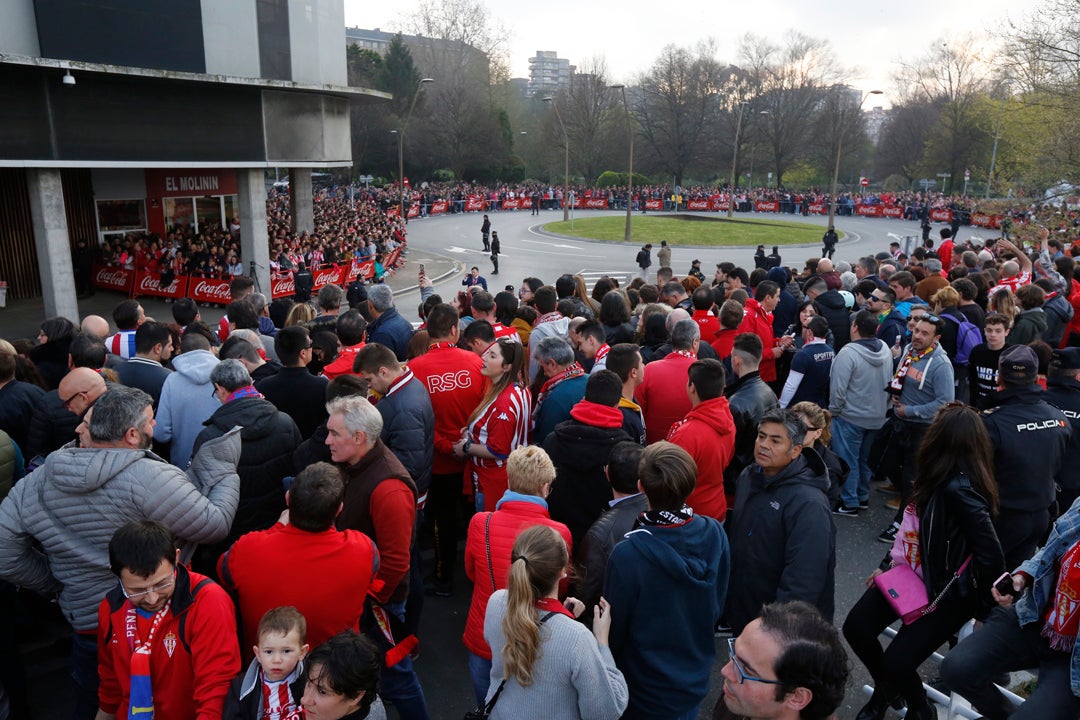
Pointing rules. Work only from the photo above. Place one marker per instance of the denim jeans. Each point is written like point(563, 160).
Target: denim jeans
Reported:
point(852, 443)
point(480, 672)
point(399, 684)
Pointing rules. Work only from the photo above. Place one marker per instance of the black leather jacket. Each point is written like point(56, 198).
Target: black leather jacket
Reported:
point(954, 524)
point(748, 399)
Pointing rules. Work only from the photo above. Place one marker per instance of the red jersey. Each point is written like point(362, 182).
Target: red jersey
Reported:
point(453, 380)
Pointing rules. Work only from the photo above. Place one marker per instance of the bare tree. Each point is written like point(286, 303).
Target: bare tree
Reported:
point(790, 77)
point(592, 116)
point(903, 138)
point(676, 108)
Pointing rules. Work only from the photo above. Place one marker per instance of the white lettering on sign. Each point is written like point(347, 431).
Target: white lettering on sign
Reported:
point(191, 183)
point(449, 381)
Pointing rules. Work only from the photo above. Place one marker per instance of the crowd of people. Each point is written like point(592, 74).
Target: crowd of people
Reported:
point(633, 471)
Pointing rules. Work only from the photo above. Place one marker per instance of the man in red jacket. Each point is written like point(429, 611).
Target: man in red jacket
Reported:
point(166, 636)
point(708, 434)
point(303, 562)
point(759, 320)
point(453, 380)
point(662, 393)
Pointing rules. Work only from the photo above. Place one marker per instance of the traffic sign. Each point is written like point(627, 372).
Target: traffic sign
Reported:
point(864, 181)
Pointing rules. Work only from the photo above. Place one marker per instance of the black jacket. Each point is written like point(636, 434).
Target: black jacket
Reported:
point(581, 491)
point(892, 327)
point(1064, 394)
point(301, 395)
point(615, 334)
point(954, 524)
point(268, 439)
point(51, 426)
point(17, 402)
point(748, 399)
point(835, 311)
point(1029, 437)
point(599, 541)
point(783, 541)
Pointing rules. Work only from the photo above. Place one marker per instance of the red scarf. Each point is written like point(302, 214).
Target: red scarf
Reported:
point(1063, 619)
point(601, 352)
point(546, 605)
point(548, 317)
point(140, 688)
point(573, 371)
point(684, 353)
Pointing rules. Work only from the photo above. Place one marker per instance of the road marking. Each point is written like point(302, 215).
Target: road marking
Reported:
point(541, 242)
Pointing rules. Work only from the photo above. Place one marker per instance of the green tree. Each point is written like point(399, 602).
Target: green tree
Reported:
point(364, 66)
point(398, 75)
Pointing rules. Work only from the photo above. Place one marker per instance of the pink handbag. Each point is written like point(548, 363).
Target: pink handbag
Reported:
point(906, 593)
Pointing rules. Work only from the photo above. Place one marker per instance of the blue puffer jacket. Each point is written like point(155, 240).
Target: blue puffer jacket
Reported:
point(409, 428)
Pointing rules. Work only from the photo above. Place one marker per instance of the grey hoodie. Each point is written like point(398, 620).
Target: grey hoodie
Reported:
point(860, 372)
point(187, 401)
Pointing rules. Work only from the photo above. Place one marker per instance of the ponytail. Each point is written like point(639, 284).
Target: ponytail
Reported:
point(538, 560)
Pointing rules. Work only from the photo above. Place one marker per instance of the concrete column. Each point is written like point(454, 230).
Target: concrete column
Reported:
point(300, 205)
point(254, 239)
point(51, 239)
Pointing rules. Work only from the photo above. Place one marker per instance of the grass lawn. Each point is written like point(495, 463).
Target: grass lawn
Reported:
point(692, 230)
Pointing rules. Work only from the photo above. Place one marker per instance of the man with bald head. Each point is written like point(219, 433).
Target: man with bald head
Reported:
point(80, 389)
point(96, 325)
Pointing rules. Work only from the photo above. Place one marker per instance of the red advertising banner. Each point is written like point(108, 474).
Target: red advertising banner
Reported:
point(186, 182)
point(721, 205)
point(282, 286)
point(944, 215)
point(986, 221)
point(393, 211)
point(414, 211)
point(818, 209)
point(114, 278)
point(698, 205)
point(596, 203)
point(474, 203)
point(511, 203)
point(868, 210)
point(892, 211)
point(206, 290)
point(654, 204)
point(769, 206)
point(150, 284)
point(439, 206)
point(327, 276)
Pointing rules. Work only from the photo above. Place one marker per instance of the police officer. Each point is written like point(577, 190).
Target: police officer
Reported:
point(1063, 392)
point(1029, 437)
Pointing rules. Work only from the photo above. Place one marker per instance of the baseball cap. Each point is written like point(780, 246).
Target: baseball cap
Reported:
point(1066, 359)
point(1019, 365)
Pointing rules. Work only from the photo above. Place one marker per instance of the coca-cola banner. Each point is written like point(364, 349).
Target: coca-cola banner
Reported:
point(654, 204)
point(892, 211)
point(868, 210)
point(438, 207)
point(150, 284)
point(393, 211)
point(114, 278)
point(596, 203)
point(943, 215)
point(511, 203)
point(207, 290)
point(414, 211)
point(818, 208)
point(474, 203)
point(282, 286)
point(721, 205)
point(767, 206)
point(328, 276)
point(986, 221)
point(697, 205)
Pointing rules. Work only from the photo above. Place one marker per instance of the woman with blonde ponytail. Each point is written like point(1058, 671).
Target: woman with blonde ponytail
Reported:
point(545, 664)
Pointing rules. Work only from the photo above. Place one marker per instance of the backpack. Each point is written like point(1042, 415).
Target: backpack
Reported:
point(968, 336)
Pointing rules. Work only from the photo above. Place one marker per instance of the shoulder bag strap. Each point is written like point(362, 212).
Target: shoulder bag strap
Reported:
point(487, 549)
point(956, 576)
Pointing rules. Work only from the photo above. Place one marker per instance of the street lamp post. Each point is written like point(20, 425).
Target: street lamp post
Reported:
point(400, 132)
point(630, 175)
point(839, 146)
point(734, 162)
point(566, 161)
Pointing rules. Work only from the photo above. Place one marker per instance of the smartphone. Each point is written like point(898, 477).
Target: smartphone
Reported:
point(1004, 585)
point(422, 271)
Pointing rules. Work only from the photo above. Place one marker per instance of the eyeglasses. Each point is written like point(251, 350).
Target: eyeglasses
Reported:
point(875, 299)
point(66, 403)
point(157, 589)
point(743, 677)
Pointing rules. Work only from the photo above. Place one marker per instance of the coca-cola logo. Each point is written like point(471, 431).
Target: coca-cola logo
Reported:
point(218, 291)
point(285, 285)
point(148, 283)
point(112, 277)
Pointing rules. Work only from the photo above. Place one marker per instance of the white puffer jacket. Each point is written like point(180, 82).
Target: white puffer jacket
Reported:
point(56, 524)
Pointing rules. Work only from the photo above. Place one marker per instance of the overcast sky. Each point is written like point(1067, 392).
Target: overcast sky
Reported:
point(630, 34)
